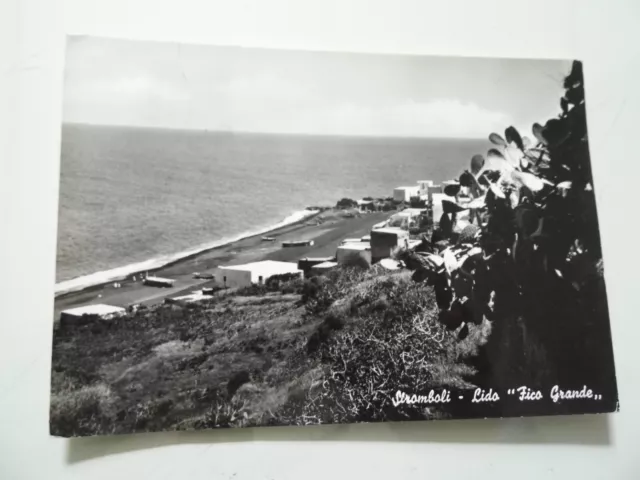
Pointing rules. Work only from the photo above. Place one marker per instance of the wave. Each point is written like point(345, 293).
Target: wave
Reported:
point(120, 273)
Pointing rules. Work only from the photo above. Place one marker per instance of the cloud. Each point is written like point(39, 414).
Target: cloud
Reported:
point(266, 102)
point(126, 89)
point(437, 118)
point(266, 87)
point(134, 99)
point(147, 86)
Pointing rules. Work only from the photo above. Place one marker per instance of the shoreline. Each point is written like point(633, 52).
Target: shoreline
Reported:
point(178, 257)
point(327, 228)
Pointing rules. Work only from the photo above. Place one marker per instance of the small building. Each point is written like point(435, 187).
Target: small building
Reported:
point(350, 240)
point(307, 263)
point(437, 205)
point(400, 220)
point(366, 205)
point(424, 186)
point(83, 315)
point(427, 196)
point(351, 252)
point(158, 282)
point(256, 272)
point(379, 225)
point(193, 297)
point(407, 218)
point(322, 268)
point(385, 240)
point(404, 194)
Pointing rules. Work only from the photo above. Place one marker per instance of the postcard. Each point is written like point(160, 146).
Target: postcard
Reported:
point(252, 237)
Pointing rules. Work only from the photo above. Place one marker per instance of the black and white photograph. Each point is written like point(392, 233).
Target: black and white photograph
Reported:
point(254, 237)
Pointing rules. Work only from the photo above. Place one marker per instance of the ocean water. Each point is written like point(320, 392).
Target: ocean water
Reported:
point(133, 199)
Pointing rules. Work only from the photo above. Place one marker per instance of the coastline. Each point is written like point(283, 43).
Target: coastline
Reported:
point(104, 277)
point(327, 230)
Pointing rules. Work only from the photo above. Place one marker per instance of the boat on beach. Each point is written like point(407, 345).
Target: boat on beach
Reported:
point(204, 276)
point(158, 282)
point(268, 239)
point(298, 243)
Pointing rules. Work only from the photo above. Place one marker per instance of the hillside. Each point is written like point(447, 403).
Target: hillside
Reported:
point(301, 352)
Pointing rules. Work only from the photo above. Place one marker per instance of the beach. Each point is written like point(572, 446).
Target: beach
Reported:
point(326, 229)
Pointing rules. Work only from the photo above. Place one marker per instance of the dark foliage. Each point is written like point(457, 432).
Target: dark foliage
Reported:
point(346, 203)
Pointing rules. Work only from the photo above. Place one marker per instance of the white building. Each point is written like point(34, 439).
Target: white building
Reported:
point(257, 272)
point(385, 240)
point(406, 218)
point(347, 252)
point(379, 225)
point(437, 205)
point(193, 297)
point(81, 315)
point(322, 268)
point(404, 194)
point(351, 240)
point(424, 186)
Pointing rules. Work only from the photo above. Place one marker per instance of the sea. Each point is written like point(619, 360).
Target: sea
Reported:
point(134, 199)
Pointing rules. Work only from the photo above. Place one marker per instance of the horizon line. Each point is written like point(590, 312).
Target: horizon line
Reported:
point(248, 132)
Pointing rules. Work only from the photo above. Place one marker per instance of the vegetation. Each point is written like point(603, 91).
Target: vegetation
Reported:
point(417, 202)
point(346, 203)
point(259, 356)
point(513, 297)
point(532, 264)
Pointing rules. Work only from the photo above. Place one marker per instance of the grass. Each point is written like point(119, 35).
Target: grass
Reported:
point(323, 350)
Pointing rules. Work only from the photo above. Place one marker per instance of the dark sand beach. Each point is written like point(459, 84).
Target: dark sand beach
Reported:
point(327, 230)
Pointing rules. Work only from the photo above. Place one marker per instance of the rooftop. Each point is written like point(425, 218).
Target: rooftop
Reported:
point(355, 246)
point(270, 266)
point(99, 309)
point(326, 265)
point(395, 230)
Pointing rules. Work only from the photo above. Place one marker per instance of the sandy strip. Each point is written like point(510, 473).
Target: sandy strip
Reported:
point(327, 236)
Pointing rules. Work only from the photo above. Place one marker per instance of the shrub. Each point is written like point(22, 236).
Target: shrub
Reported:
point(274, 282)
point(346, 203)
point(392, 340)
point(356, 261)
point(237, 381)
point(417, 202)
point(538, 221)
point(85, 411)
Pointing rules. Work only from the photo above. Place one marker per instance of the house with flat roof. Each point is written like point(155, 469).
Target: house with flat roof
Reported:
point(349, 252)
point(322, 268)
point(82, 315)
point(385, 240)
point(406, 218)
point(257, 272)
point(404, 194)
point(424, 186)
point(307, 263)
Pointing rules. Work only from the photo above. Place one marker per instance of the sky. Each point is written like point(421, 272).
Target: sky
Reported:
point(170, 85)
